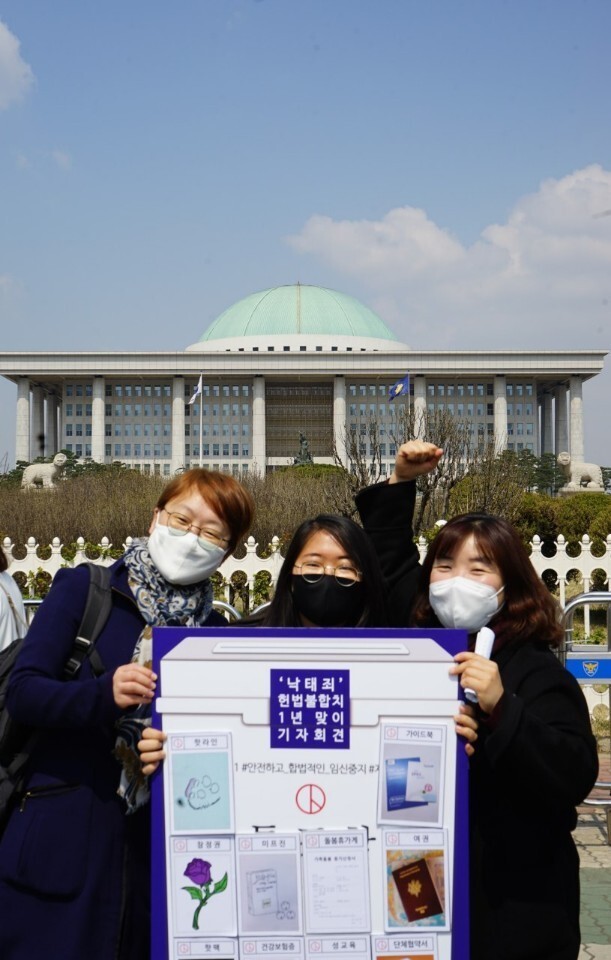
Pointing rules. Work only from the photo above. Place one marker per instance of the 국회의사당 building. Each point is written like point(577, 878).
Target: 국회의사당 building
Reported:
point(288, 361)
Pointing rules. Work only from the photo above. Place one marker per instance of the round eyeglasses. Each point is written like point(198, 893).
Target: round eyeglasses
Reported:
point(344, 574)
point(179, 526)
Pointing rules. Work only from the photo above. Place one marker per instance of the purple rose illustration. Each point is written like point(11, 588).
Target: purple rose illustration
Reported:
point(200, 872)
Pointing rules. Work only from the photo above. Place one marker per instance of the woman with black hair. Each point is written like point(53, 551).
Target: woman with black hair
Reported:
point(535, 757)
point(330, 578)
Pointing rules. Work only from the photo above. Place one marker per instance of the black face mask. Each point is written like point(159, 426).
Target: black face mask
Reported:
point(326, 603)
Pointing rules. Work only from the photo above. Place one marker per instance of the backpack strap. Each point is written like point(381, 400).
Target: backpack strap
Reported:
point(95, 615)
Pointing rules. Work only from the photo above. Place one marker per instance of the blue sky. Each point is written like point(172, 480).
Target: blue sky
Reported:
point(447, 162)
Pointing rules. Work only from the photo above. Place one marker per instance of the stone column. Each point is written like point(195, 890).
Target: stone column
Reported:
point(419, 406)
point(339, 418)
point(52, 446)
point(38, 444)
point(500, 413)
point(258, 424)
point(97, 420)
point(178, 424)
point(22, 432)
point(576, 421)
point(561, 436)
point(546, 424)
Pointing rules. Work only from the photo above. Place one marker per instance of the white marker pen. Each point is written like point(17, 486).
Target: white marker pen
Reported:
point(483, 645)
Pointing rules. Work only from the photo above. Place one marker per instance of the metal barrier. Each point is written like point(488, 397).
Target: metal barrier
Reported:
point(31, 606)
point(590, 663)
point(602, 802)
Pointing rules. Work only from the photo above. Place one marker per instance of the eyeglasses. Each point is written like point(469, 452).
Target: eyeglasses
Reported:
point(344, 574)
point(179, 526)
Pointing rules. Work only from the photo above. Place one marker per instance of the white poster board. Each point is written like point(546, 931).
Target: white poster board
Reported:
point(313, 800)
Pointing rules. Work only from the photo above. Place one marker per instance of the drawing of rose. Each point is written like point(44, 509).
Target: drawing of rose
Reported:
point(200, 872)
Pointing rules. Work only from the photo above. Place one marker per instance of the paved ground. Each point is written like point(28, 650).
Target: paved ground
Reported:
point(595, 855)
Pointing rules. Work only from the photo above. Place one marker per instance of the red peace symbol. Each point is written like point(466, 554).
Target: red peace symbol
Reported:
point(310, 798)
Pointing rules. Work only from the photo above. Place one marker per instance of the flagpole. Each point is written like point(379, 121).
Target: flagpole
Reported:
point(201, 412)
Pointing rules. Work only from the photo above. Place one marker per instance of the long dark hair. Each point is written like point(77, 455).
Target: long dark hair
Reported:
point(529, 611)
point(282, 611)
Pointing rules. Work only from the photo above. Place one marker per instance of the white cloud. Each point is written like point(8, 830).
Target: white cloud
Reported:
point(541, 279)
point(63, 160)
point(16, 75)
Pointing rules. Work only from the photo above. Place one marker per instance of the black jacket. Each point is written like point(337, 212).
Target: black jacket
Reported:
point(535, 760)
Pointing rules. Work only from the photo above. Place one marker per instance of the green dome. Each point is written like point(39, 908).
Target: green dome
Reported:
point(297, 309)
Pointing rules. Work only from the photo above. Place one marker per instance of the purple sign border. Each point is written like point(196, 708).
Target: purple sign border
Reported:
point(453, 641)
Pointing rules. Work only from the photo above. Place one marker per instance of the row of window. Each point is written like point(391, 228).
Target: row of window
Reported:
point(363, 428)
point(372, 390)
point(463, 409)
point(138, 410)
point(243, 390)
point(147, 450)
point(460, 389)
point(218, 429)
point(78, 390)
point(519, 409)
point(79, 449)
point(217, 390)
point(477, 389)
point(520, 446)
point(237, 469)
point(78, 409)
point(156, 390)
point(137, 430)
point(138, 390)
point(383, 449)
point(218, 410)
point(520, 429)
point(218, 450)
point(376, 410)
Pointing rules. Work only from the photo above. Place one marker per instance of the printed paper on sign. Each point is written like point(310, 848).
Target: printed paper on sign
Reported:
point(397, 773)
point(269, 883)
point(336, 881)
point(422, 782)
point(199, 788)
point(202, 879)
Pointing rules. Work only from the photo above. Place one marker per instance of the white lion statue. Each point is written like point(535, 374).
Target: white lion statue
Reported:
point(579, 475)
point(43, 474)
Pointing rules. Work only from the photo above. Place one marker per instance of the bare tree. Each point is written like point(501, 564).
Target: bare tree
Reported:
point(357, 468)
point(496, 483)
point(453, 435)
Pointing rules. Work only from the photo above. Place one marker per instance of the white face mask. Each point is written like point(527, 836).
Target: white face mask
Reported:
point(183, 560)
point(463, 604)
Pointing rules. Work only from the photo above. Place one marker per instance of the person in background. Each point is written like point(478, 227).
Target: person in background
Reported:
point(13, 621)
point(75, 853)
point(535, 757)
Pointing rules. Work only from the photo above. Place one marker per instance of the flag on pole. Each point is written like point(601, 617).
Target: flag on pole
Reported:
point(399, 389)
point(197, 391)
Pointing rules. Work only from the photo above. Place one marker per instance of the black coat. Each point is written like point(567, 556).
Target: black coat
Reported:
point(535, 760)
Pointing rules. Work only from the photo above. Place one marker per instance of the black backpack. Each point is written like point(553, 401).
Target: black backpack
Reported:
point(16, 740)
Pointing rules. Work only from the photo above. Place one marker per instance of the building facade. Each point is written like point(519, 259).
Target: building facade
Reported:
point(290, 360)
